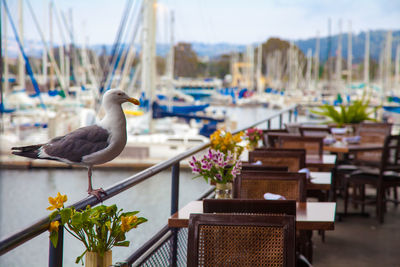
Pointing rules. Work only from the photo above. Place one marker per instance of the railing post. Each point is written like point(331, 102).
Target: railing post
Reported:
point(175, 188)
point(269, 124)
point(280, 121)
point(174, 208)
point(56, 254)
point(290, 115)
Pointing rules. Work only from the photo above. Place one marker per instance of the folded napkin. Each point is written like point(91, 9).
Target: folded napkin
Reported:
point(352, 139)
point(256, 163)
point(338, 130)
point(270, 196)
point(306, 171)
point(329, 140)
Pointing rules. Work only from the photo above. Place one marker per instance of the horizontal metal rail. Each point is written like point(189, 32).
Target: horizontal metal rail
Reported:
point(42, 225)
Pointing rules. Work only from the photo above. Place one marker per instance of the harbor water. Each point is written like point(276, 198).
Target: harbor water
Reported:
point(24, 199)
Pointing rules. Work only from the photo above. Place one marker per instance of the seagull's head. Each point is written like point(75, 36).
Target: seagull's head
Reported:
point(119, 96)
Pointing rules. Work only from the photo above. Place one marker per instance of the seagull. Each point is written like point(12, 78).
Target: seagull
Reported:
point(90, 145)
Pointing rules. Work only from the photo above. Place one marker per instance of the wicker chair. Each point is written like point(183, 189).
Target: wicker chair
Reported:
point(241, 240)
point(386, 176)
point(293, 159)
point(271, 132)
point(312, 144)
point(315, 131)
point(371, 133)
point(254, 184)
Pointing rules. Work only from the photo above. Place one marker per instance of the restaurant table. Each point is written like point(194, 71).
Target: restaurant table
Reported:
point(324, 163)
point(309, 215)
point(351, 148)
point(319, 181)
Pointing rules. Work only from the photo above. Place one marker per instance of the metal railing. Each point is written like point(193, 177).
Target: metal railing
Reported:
point(56, 254)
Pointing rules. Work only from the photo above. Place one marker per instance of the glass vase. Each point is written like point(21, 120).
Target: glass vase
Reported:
point(223, 191)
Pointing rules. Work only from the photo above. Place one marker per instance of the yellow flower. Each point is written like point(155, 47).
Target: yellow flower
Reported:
point(57, 202)
point(126, 223)
point(54, 226)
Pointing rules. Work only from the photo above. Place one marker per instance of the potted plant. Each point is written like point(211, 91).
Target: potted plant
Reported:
point(355, 112)
point(253, 136)
point(216, 166)
point(227, 142)
point(99, 228)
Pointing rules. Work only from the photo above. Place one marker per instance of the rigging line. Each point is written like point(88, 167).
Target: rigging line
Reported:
point(132, 49)
point(118, 55)
point(73, 53)
point(115, 48)
point(27, 64)
point(125, 49)
point(51, 57)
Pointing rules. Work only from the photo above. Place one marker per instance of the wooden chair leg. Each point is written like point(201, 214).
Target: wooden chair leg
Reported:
point(346, 196)
point(396, 203)
point(380, 203)
point(362, 194)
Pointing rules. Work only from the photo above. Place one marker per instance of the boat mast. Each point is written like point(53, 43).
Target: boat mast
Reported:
point(148, 53)
point(349, 56)
point(366, 61)
point(339, 58)
point(397, 67)
point(308, 72)
point(21, 62)
point(387, 64)
point(6, 71)
point(259, 64)
point(316, 62)
point(51, 50)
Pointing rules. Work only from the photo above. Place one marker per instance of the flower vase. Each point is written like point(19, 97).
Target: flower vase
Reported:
point(223, 191)
point(93, 259)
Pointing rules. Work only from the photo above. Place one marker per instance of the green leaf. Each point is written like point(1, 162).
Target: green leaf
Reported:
point(54, 238)
point(65, 215)
point(131, 213)
point(77, 219)
point(80, 258)
point(53, 215)
point(122, 244)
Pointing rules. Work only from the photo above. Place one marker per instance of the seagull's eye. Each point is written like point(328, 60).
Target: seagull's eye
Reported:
point(119, 93)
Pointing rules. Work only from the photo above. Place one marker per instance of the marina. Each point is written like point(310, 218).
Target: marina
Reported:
point(142, 146)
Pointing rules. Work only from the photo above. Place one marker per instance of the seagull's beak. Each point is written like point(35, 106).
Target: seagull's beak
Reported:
point(133, 101)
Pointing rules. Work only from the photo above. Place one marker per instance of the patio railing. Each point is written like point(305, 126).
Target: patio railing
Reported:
point(165, 248)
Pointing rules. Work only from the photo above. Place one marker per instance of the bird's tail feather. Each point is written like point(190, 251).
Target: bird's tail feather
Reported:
point(27, 151)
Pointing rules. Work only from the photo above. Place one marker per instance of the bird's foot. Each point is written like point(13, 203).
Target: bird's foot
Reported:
point(97, 193)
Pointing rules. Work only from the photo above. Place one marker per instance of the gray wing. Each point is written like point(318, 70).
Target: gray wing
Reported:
point(79, 143)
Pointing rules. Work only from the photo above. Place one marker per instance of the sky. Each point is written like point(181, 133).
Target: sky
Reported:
point(216, 21)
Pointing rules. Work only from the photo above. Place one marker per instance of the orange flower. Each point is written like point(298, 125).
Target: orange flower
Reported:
point(57, 202)
point(54, 226)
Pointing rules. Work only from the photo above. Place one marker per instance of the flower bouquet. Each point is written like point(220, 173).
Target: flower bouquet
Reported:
point(253, 136)
point(216, 166)
point(226, 142)
point(99, 228)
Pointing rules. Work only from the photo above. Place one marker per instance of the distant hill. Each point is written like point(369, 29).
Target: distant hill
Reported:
point(377, 40)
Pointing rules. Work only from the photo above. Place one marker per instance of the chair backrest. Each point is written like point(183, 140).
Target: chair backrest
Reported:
point(312, 144)
point(272, 132)
point(249, 206)
point(373, 132)
point(252, 167)
point(241, 240)
point(315, 131)
point(293, 159)
point(391, 154)
point(254, 184)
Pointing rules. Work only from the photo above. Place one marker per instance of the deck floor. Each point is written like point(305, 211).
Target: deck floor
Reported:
point(360, 241)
